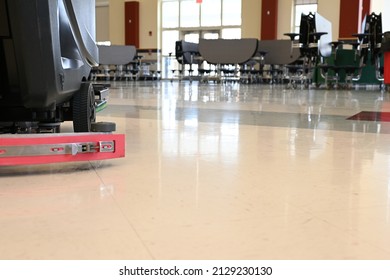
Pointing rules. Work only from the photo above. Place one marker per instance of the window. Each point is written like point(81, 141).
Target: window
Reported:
point(190, 21)
point(168, 37)
point(189, 13)
point(211, 13)
point(171, 19)
point(231, 33)
point(231, 12)
point(303, 7)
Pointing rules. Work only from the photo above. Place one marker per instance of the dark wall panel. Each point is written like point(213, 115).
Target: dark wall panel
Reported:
point(269, 19)
point(132, 23)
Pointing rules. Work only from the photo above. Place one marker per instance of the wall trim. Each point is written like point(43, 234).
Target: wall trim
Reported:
point(102, 4)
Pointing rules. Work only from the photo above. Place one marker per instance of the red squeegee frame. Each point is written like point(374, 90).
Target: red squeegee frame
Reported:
point(49, 142)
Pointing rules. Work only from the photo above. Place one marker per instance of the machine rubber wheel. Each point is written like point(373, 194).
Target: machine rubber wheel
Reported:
point(44, 127)
point(83, 106)
point(103, 127)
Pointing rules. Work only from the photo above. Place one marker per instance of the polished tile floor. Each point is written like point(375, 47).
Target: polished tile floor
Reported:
point(213, 172)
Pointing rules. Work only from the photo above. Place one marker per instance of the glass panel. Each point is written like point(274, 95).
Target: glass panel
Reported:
point(231, 33)
point(191, 37)
point(211, 13)
point(231, 12)
point(211, 35)
point(169, 39)
point(189, 13)
point(170, 14)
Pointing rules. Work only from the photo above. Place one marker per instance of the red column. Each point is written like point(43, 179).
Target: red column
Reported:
point(387, 68)
point(366, 7)
point(352, 13)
